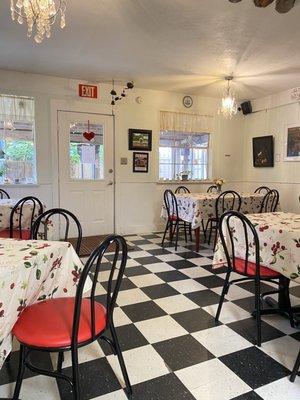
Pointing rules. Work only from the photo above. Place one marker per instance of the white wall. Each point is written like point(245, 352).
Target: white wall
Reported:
point(138, 196)
point(271, 117)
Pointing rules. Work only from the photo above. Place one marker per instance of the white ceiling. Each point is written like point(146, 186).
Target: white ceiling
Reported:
point(186, 46)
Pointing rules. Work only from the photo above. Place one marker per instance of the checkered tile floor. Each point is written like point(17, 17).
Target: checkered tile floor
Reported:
point(171, 346)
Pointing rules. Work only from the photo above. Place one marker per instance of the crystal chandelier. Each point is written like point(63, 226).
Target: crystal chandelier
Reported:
point(228, 107)
point(41, 13)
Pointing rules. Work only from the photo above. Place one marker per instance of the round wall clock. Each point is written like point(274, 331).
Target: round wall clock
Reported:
point(187, 101)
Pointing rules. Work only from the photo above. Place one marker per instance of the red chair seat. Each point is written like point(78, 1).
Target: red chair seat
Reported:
point(16, 234)
point(251, 269)
point(49, 323)
point(173, 218)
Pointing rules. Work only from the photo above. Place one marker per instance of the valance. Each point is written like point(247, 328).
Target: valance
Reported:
point(183, 122)
point(16, 108)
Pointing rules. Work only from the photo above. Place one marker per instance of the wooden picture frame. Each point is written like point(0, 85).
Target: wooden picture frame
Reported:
point(263, 151)
point(140, 162)
point(292, 143)
point(140, 139)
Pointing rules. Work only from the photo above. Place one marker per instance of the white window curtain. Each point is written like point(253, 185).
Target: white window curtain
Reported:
point(16, 108)
point(183, 122)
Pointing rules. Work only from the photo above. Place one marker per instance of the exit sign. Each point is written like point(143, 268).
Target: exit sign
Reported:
point(89, 91)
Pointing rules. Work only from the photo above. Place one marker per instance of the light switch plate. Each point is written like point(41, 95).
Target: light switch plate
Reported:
point(124, 161)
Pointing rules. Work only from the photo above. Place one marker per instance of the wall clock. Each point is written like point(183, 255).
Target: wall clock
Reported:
point(187, 101)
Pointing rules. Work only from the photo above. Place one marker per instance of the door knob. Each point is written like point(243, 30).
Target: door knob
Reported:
point(110, 183)
point(110, 170)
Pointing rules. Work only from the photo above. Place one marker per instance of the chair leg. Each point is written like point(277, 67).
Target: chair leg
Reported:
point(257, 312)
point(210, 232)
point(288, 304)
point(121, 359)
point(60, 361)
point(185, 231)
point(21, 371)
point(165, 232)
point(295, 369)
point(224, 292)
point(204, 230)
point(190, 232)
point(75, 373)
point(177, 233)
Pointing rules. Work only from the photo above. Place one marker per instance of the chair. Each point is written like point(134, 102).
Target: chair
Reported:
point(295, 369)
point(174, 223)
point(69, 323)
point(212, 188)
point(182, 189)
point(47, 217)
point(4, 194)
point(262, 189)
point(17, 218)
point(270, 201)
point(226, 201)
point(242, 266)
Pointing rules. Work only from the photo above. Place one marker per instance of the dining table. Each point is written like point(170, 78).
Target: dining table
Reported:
point(279, 239)
point(32, 271)
point(6, 206)
point(197, 207)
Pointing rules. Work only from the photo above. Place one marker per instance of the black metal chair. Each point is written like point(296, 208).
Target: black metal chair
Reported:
point(16, 221)
point(262, 189)
point(270, 201)
point(40, 227)
point(295, 369)
point(174, 223)
point(241, 265)
point(212, 189)
point(78, 321)
point(4, 194)
point(226, 201)
point(182, 189)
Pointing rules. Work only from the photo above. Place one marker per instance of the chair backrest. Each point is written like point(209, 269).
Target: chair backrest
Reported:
point(270, 201)
point(4, 194)
point(35, 210)
point(228, 201)
point(182, 189)
point(94, 264)
point(248, 238)
point(170, 203)
point(262, 189)
point(47, 218)
point(212, 188)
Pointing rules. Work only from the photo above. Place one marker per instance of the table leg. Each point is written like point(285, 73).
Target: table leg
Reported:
point(197, 236)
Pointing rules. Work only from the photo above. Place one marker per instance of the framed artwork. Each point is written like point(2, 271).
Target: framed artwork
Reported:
point(263, 151)
point(140, 162)
point(292, 143)
point(140, 139)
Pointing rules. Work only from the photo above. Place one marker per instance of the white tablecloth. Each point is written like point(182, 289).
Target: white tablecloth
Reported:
point(32, 271)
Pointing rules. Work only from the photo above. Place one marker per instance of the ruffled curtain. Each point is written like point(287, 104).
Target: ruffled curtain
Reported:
point(16, 108)
point(183, 122)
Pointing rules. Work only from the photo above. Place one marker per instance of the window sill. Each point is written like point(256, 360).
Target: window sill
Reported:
point(8, 185)
point(187, 182)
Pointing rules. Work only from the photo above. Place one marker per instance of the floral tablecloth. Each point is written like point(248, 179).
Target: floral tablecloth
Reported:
point(6, 205)
point(32, 271)
point(279, 238)
point(194, 207)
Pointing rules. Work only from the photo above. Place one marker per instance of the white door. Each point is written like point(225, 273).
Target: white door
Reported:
point(86, 176)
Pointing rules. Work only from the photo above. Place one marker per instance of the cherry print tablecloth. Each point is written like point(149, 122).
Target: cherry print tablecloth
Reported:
point(279, 238)
point(6, 205)
point(32, 271)
point(195, 207)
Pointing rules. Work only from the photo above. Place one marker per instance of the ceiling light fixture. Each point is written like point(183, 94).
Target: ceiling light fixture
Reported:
point(228, 106)
point(41, 13)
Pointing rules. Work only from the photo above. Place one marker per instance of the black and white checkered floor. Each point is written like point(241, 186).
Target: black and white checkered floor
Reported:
point(171, 346)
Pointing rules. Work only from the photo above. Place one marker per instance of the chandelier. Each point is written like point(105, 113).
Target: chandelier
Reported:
point(39, 13)
point(228, 106)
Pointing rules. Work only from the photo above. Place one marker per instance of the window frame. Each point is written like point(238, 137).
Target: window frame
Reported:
point(173, 164)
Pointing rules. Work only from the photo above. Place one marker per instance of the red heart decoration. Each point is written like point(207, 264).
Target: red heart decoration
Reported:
point(89, 135)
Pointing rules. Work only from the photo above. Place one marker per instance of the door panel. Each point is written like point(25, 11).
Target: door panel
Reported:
point(86, 169)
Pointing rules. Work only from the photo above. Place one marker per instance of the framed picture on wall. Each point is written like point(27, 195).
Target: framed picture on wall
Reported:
point(292, 143)
point(140, 139)
point(263, 151)
point(140, 162)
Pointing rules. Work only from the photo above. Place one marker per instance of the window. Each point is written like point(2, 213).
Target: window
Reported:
point(17, 140)
point(180, 152)
point(86, 151)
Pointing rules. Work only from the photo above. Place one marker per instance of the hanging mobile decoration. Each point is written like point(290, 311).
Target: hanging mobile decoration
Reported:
point(115, 97)
point(89, 135)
